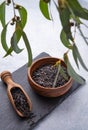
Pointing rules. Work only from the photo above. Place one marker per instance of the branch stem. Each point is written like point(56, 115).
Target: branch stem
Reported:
point(13, 8)
point(56, 77)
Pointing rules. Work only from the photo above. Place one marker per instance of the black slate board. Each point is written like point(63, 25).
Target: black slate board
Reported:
point(9, 120)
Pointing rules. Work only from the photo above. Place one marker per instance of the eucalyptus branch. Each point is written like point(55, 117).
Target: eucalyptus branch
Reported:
point(67, 9)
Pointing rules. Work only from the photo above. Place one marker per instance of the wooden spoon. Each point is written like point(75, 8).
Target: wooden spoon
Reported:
point(18, 97)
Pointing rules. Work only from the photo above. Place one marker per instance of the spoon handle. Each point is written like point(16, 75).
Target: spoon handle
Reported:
point(7, 78)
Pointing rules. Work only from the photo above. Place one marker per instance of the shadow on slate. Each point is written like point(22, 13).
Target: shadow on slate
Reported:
point(42, 106)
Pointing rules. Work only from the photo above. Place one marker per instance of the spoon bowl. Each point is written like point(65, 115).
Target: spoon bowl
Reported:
point(17, 96)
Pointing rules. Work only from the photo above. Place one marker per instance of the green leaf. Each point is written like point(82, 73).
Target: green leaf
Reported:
point(44, 9)
point(64, 40)
point(63, 73)
point(3, 38)
point(65, 20)
point(79, 57)
point(17, 27)
point(75, 56)
point(72, 72)
point(20, 29)
point(23, 15)
point(9, 52)
point(65, 56)
point(64, 16)
point(77, 9)
point(2, 14)
point(15, 39)
point(27, 44)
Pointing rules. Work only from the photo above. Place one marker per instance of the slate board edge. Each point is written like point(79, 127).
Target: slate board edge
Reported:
point(40, 120)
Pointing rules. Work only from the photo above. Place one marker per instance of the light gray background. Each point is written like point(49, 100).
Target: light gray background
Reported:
point(44, 36)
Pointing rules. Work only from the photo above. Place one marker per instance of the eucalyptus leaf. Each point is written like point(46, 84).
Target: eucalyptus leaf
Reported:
point(73, 74)
point(9, 52)
point(63, 73)
point(15, 40)
point(65, 40)
point(20, 29)
point(79, 57)
point(77, 9)
point(27, 44)
point(44, 9)
point(65, 56)
point(2, 14)
point(75, 56)
point(64, 17)
point(3, 38)
point(65, 20)
point(71, 71)
point(23, 15)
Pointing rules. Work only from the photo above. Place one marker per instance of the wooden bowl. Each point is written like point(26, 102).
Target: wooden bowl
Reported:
point(47, 91)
